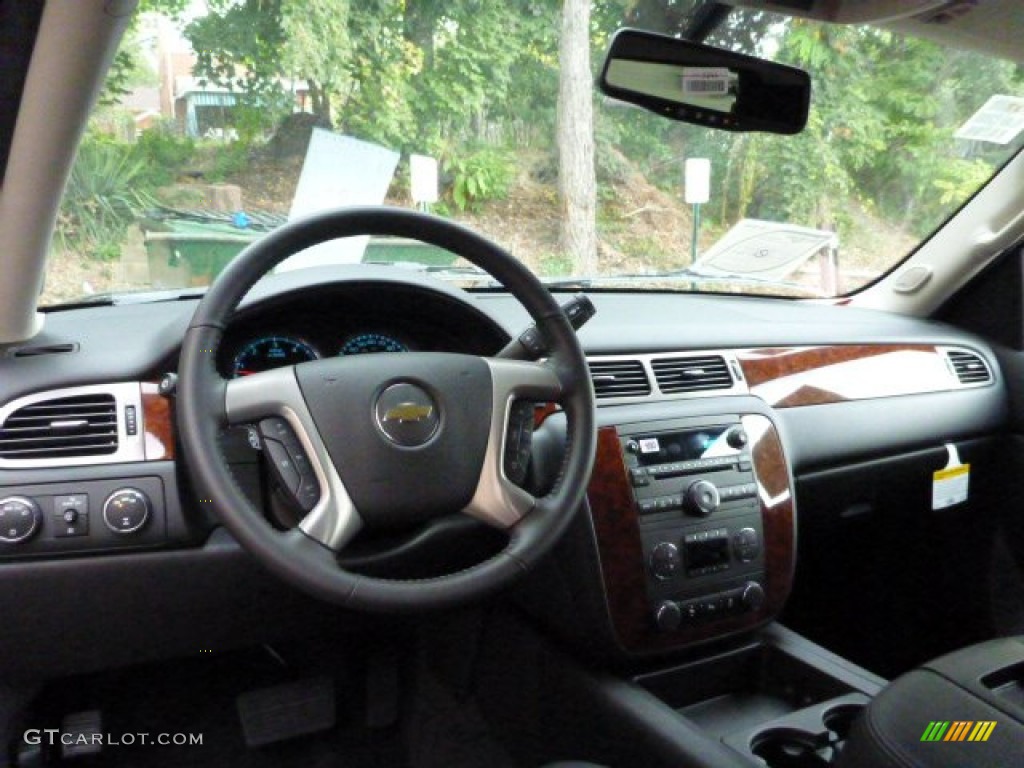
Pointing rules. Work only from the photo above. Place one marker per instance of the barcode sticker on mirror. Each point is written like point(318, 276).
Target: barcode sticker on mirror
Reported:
point(950, 485)
point(706, 81)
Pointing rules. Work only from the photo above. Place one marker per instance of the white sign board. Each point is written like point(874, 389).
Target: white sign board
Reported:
point(697, 180)
point(339, 171)
point(998, 121)
point(423, 178)
point(767, 250)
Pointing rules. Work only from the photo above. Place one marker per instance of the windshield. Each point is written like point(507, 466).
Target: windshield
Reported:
point(221, 120)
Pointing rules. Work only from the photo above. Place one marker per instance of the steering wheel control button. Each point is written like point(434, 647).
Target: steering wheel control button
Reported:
point(702, 498)
point(290, 463)
point(407, 415)
point(666, 561)
point(71, 515)
point(746, 544)
point(20, 518)
point(284, 468)
point(126, 510)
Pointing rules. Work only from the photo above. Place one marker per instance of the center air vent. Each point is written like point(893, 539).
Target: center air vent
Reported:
point(67, 427)
point(619, 378)
point(691, 374)
point(969, 367)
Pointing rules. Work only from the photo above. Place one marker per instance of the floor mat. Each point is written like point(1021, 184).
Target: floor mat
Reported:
point(197, 696)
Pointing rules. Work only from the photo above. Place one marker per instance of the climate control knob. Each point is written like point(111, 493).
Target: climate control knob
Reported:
point(665, 560)
point(20, 518)
point(667, 616)
point(702, 498)
point(753, 596)
point(126, 510)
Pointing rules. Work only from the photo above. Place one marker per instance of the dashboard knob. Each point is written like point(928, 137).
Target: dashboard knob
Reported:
point(746, 544)
point(126, 510)
point(737, 438)
point(667, 616)
point(632, 446)
point(753, 596)
point(20, 518)
point(702, 498)
point(665, 560)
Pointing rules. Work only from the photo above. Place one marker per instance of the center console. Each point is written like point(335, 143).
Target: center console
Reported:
point(695, 526)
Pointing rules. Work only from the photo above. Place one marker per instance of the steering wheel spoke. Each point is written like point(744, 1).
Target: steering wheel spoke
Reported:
point(498, 501)
point(273, 397)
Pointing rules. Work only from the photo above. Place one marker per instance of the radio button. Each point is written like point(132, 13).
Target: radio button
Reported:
point(639, 477)
point(647, 506)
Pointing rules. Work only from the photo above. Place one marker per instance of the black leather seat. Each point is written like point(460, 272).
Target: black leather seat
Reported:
point(942, 714)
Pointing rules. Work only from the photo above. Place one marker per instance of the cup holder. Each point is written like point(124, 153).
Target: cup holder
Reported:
point(813, 739)
point(839, 720)
point(790, 748)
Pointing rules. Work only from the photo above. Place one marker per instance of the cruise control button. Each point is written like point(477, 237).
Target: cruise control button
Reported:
point(286, 471)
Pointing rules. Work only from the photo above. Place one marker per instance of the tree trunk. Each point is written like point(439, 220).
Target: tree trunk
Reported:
point(320, 102)
point(577, 182)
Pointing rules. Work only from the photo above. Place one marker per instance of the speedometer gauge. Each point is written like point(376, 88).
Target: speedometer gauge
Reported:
point(269, 352)
point(367, 343)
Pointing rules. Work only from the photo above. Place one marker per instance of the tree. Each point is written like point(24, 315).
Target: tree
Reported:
point(577, 182)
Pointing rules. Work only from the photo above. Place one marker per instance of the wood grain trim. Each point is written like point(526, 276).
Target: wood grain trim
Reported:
point(795, 376)
point(158, 423)
point(778, 510)
point(617, 529)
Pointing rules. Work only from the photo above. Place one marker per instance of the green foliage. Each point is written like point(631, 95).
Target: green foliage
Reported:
point(163, 154)
point(104, 195)
point(479, 176)
point(228, 161)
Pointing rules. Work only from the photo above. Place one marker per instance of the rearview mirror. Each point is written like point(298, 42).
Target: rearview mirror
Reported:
point(695, 83)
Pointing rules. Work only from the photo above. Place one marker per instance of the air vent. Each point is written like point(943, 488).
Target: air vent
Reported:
point(67, 427)
point(47, 349)
point(619, 378)
point(969, 367)
point(691, 374)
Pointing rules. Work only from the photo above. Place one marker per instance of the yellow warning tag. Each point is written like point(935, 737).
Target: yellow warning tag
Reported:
point(950, 486)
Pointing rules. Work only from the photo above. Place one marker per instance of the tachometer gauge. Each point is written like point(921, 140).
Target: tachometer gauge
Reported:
point(269, 352)
point(367, 343)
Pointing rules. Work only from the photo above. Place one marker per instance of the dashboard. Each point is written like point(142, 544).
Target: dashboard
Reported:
point(692, 537)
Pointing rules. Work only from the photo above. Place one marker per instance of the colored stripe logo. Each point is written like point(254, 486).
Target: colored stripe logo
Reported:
point(958, 730)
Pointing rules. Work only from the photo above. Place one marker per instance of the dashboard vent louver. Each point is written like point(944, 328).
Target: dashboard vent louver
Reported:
point(969, 367)
point(619, 378)
point(692, 374)
point(85, 425)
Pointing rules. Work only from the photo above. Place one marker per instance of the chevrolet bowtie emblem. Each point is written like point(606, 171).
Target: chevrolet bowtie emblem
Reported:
point(409, 412)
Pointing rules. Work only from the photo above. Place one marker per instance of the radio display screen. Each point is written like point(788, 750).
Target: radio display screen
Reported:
point(704, 443)
point(702, 554)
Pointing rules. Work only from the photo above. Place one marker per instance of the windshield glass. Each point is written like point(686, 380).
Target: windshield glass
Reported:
point(221, 120)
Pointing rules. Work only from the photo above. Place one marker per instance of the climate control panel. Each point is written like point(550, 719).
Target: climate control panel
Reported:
point(87, 516)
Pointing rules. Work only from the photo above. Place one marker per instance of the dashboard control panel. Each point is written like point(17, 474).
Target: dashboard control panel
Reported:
point(84, 516)
point(695, 495)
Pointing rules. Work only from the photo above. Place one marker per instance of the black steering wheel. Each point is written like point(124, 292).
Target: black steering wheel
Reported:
point(389, 439)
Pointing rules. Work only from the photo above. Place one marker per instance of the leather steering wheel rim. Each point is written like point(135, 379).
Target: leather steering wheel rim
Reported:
point(207, 403)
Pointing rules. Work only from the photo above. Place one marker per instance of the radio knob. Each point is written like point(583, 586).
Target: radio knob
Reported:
point(753, 596)
point(665, 560)
point(20, 518)
point(702, 498)
point(737, 438)
point(667, 616)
